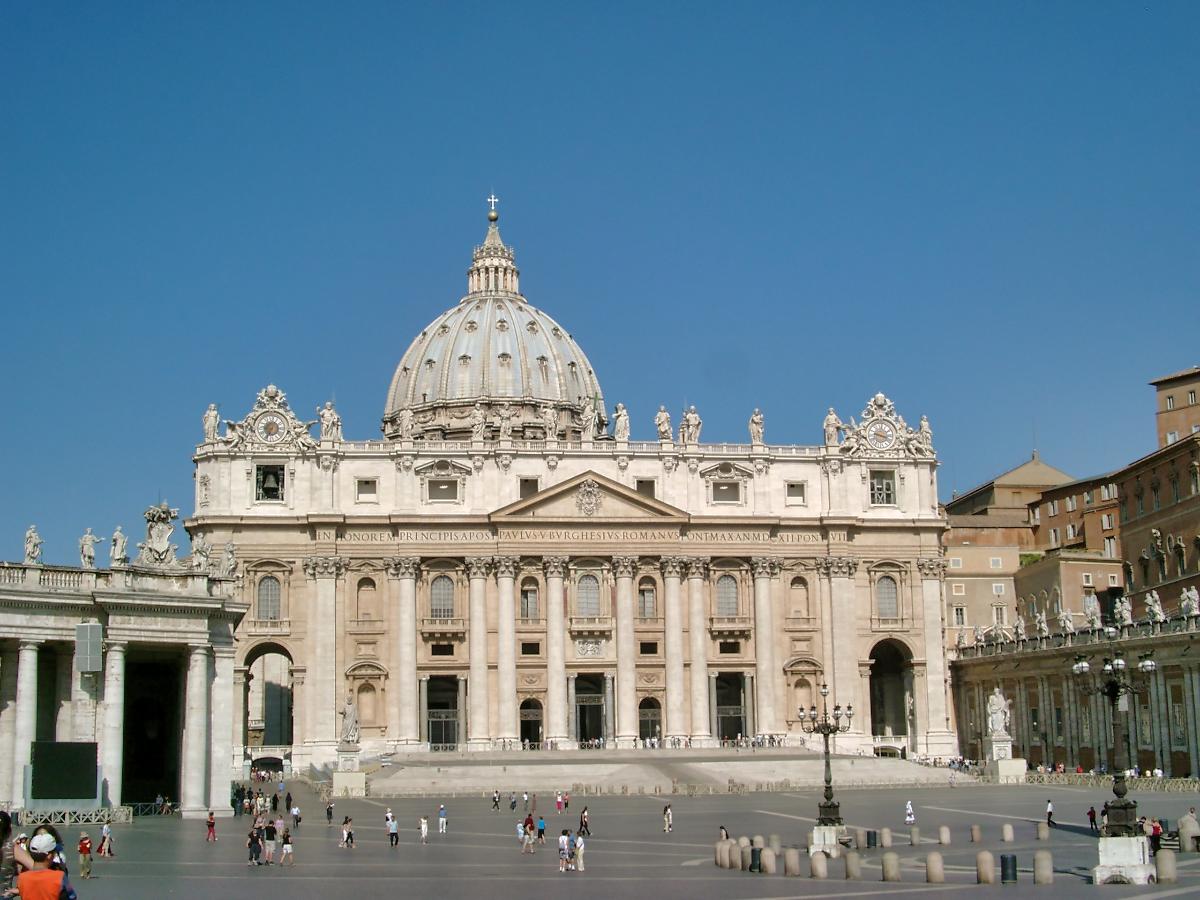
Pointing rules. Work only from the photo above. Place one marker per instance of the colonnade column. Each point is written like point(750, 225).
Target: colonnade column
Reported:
point(672, 569)
point(938, 737)
point(508, 728)
point(764, 643)
point(26, 727)
point(423, 712)
point(844, 684)
point(609, 708)
point(8, 712)
point(193, 786)
point(702, 727)
point(478, 730)
point(556, 664)
point(323, 702)
point(113, 744)
point(220, 755)
point(405, 569)
point(464, 720)
point(624, 568)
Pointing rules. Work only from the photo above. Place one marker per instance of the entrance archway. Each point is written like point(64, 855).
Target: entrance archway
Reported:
point(589, 710)
point(531, 723)
point(649, 719)
point(268, 697)
point(443, 712)
point(731, 705)
point(892, 703)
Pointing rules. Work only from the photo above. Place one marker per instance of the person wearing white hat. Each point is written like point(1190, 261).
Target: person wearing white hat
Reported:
point(39, 879)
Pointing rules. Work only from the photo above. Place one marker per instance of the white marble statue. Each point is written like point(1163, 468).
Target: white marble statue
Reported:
point(229, 560)
point(1092, 619)
point(405, 421)
point(960, 640)
point(621, 422)
point(1123, 610)
point(550, 421)
point(977, 637)
point(331, 422)
point(235, 434)
point(201, 552)
point(1019, 628)
point(756, 426)
point(1189, 603)
point(478, 422)
point(118, 551)
point(1066, 622)
point(689, 426)
point(1154, 609)
point(302, 436)
point(587, 420)
point(349, 721)
point(1040, 625)
point(662, 424)
point(997, 713)
point(212, 421)
point(87, 548)
point(925, 433)
point(33, 547)
point(504, 414)
point(833, 428)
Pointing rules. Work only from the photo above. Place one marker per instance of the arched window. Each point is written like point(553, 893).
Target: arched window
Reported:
point(529, 599)
point(587, 600)
point(647, 599)
point(367, 608)
point(802, 693)
point(798, 596)
point(887, 598)
point(441, 598)
point(1057, 606)
point(727, 596)
point(268, 597)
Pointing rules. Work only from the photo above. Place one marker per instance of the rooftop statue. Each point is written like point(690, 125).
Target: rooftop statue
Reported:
point(756, 426)
point(662, 424)
point(87, 548)
point(33, 547)
point(621, 422)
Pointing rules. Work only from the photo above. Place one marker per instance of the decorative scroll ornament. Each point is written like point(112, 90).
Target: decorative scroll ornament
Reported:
point(324, 566)
point(588, 498)
point(884, 433)
point(932, 568)
point(270, 424)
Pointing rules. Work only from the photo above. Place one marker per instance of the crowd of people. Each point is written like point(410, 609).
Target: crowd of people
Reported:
point(35, 865)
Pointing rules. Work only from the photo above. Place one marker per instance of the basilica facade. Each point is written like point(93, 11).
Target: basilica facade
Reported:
point(506, 569)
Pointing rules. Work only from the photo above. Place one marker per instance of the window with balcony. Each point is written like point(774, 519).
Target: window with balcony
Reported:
point(366, 490)
point(647, 599)
point(796, 493)
point(727, 596)
point(268, 598)
point(887, 598)
point(441, 598)
point(587, 596)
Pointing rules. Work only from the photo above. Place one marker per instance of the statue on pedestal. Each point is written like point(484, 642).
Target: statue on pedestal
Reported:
point(404, 419)
point(997, 713)
point(662, 424)
point(87, 548)
point(550, 421)
point(118, 554)
point(1154, 610)
point(1123, 611)
point(201, 551)
point(212, 421)
point(349, 721)
point(1019, 628)
point(1092, 619)
point(478, 422)
point(621, 423)
point(689, 426)
point(756, 426)
point(1189, 603)
point(1066, 622)
point(33, 547)
point(1040, 626)
point(504, 414)
point(833, 428)
point(587, 420)
point(229, 560)
point(331, 422)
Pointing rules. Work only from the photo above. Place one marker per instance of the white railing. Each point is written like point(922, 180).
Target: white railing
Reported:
point(60, 579)
point(267, 626)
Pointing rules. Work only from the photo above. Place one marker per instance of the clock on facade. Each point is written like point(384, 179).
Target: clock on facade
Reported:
point(270, 427)
point(881, 434)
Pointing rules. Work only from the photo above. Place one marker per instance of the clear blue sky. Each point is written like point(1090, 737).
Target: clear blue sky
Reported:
point(987, 211)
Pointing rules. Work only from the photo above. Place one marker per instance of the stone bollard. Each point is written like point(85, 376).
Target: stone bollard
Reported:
point(768, 861)
point(944, 835)
point(860, 838)
point(976, 834)
point(885, 838)
point(1043, 831)
point(775, 843)
point(1187, 836)
point(935, 869)
point(743, 841)
point(791, 861)
point(733, 855)
point(1006, 833)
point(818, 865)
point(718, 851)
point(1043, 867)
point(853, 865)
point(914, 835)
point(757, 841)
point(891, 866)
point(1164, 864)
point(985, 868)
point(746, 856)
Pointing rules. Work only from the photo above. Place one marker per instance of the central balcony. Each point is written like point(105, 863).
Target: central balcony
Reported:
point(731, 626)
point(591, 625)
point(444, 628)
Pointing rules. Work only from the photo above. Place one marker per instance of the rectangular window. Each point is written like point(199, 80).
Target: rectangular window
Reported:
point(1155, 499)
point(268, 483)
point(1087, 498)
point(529, 602)
point(441, 650)
point(645, 487)
point(1058, 721)
point(998, 588)
point(1053, 537)
point(1113, 579)
point(729, 647)
point(797, 493)
point(1052, 508)
point(1087, 578)
point(956, 562)
point(527, 487)
point(726, 492)
point(1071, 503)
point(1170, 401)
point(530, 648)
point(1172, 437)
point(1104, 495)
point(1106, 521)
point(958, 589)
point(1191, 398)
point(960, 616)
point(1037, 515)
point(442, 490)
point(1174, 489)
point(648, 648)
point(1070, 530)
point(883, 487)
point(996, 562)
point(366, 490)
point(1000, 615)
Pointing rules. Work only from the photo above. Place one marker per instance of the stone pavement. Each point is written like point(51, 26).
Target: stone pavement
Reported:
point(628, 856)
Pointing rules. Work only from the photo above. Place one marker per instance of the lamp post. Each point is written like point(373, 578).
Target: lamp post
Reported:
point(813, 723)
point(1113, 681)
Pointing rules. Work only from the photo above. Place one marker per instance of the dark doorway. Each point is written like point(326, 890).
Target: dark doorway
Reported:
point(649, 719)
point(589, 709)
point(443, 712)
point(891, 689)
point(531, 723)
point(731, 708)
point(153, 728)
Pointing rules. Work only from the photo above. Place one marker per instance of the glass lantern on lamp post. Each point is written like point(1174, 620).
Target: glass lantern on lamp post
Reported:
point(812, 722)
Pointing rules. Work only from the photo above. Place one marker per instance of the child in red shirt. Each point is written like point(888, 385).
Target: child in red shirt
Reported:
point(85, 855)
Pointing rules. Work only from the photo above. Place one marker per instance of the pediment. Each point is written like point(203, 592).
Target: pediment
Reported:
point(592, 497)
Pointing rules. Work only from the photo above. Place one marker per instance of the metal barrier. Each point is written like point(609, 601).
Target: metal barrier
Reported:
point(118, 815)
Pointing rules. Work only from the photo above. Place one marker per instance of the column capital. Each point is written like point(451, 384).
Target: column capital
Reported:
point(673, 566)
point(932, 568)
point(837, 566)
point(478, 566)
point(625, 566)
point(506, 566)
point(697, 567)
point(324, 566)
point(556, 566)
point(28, 644)
point(761, 566)
point(402, 566)
point(118, 646)
point(195, 650)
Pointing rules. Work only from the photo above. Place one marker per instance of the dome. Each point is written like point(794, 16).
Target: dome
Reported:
point(496, 352)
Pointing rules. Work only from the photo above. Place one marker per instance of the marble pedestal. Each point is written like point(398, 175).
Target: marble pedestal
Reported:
point(999, 762)
point(826, 839)
point(348, 781)
point(1124, 860)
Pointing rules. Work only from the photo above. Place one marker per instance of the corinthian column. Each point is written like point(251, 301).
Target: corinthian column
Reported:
point(194, 787)
point(624, 568)
point(672, 569)
point(764, 646)
point(938, 736)
point(697, 572)
point(556, 663)
point(479, 735)
point(321, 671)
point(405, 570)
point(112, 746)
point(839, 570)
point(27, 692)
point(506, 648)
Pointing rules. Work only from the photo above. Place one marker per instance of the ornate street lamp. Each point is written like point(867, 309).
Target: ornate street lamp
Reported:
point(1113, 681)
point(813, 723)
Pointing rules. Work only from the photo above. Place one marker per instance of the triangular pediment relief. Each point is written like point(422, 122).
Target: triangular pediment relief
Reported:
point(588, 496)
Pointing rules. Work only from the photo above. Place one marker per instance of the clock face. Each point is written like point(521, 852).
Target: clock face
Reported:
point(270, 427)
point(881, 434)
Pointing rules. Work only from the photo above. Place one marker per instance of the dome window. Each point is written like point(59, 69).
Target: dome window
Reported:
point(544, 367)
point(472, 325)
point(430, 363)
point(502, 325)
point(531, 327)
point(557, 332)
point(505, 359)
point(464, 360)
point(443, 329)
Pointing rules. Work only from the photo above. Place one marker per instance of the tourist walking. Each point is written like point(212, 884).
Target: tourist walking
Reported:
point(296, 817)
point(579, 847)
point(423, 828)
point(270, 837)
point(253, 848)
point(85, 855)
point(349, 833)
point(1091, 814)
point(441, 818)
point(563, 847)
point(570, 851)
point(496, 800)
point(668, 819)
point(287, 859)
point(512, 801)
point(525, 796)
point(566, 800)
point(211, 822)
point(527, 840)
point(288, 800)
point(910, 817)
point(393, 832)
point(1050, 813)
point(583, 823)
point(558, 807)
point(541, 826)
point(345, 831)
point(106, 840)
point(329, 813)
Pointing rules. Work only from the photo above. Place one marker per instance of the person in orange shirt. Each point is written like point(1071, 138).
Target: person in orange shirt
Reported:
point(39, 881)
